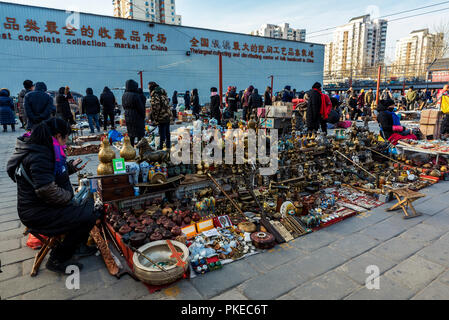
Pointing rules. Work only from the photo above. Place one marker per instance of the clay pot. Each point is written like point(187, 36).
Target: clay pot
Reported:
point(176, 231)
point(187, 220)
point(125, 229)
point(169, 225)
point(138, 239)
point(156, 236)
point(196, 217)
point(178, 220)
point(167, 234)
point(127, 152)
point(147, 221)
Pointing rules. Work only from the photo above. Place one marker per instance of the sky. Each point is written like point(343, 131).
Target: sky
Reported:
point(245, 16)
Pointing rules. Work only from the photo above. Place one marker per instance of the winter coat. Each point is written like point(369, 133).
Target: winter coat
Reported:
point(352, 102)
point(196, 108)
point(361, 100)
point(386, 120)
point(187, 100)
point(313, 116)
point(142, 96)
point(20, 103)
point(90, 103)
point(411, 96)
point(334, 116)
point(160, 107)
point(174, 99)
point(63, 107)
point(231, 101)
point(255, 100)
point(445, 125)
point(134, 110)
point(6, 108)
point(107, 100)
point(369, 98)
point(215, 107)
point(267, 98)
point(46, 205)
point(287, 95)
point(38, 105)
point(246, 95)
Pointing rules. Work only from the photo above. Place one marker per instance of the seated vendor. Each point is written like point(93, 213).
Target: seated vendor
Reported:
point(335, 115)
point(44, 193)
point(390, 123)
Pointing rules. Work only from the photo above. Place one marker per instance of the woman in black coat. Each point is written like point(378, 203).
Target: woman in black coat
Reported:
point(7, 116)
point(132, 102)
point(187, 100)
point(313, 116)
point(195, 103)
point(63, 110)
point(267, 97)
point(215, 112)
point(44, 192)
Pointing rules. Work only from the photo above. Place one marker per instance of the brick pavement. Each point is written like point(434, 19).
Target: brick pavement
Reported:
point(412, 255)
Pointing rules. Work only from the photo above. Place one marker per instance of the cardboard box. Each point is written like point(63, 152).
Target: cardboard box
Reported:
point(431, 129)
point(282, 104)
point(280, 112)
point(431, 117)
point(261, 112)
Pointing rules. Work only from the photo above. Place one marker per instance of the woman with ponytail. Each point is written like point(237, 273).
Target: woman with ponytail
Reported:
point(44, 192)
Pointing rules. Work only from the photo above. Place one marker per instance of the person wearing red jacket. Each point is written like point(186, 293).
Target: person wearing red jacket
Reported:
point(326, 107)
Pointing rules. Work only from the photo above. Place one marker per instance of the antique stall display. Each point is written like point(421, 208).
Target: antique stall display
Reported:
point(180, 221)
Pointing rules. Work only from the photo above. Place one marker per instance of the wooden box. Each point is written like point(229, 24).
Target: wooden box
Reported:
point(114, 187)
point(117, 193)
point(112, 181)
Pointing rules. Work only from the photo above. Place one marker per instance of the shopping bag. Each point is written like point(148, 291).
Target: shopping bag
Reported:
point(34, 243)
point(115, 136)
point(445, 104)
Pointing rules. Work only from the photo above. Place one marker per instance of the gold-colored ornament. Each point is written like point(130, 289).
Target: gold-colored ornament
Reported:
point(106, 155)
point(127, 152)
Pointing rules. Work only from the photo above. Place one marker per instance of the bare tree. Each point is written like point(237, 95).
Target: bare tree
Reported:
point(441, 46)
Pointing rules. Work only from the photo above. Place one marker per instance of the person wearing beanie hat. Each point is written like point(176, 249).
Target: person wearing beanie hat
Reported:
point(215, 112)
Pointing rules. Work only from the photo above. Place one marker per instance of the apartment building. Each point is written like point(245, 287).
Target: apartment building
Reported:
point(280, 32)
point(358, 47)
point(162, 11)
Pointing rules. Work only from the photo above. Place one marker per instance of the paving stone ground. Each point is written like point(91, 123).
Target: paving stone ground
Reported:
point(412, 257)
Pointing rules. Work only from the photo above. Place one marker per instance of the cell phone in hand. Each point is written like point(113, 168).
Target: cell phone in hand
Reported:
point(83, 166)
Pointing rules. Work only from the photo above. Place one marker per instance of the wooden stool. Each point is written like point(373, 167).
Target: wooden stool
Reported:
point(47, 245)
point(406, 198)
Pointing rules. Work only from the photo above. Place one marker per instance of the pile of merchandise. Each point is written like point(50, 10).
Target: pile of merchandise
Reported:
point(223, 213)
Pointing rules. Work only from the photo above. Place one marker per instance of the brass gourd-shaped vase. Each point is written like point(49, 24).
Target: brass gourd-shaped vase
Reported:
point(106, 155)
point(127, 152)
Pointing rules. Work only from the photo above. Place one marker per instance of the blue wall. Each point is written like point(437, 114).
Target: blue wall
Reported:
point(82, 66)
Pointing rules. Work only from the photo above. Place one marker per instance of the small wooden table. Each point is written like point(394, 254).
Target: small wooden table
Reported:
point(406, 197)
